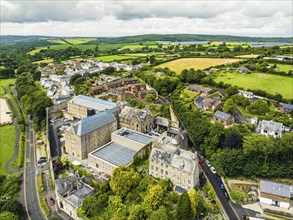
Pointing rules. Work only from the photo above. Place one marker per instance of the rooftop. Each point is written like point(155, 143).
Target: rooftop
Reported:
point(92, 123)
point(274, 188)
point(271, 126)
point(222, 115)
point(115, 154)
point(134, 135)
point(287, 106)
point(199, 99)
point(93, 103)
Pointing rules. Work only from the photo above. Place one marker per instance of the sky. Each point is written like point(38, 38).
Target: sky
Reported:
point(96, 18)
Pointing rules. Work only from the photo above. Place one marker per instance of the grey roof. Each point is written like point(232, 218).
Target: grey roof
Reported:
point(162, 121)
point(287, 106)
point(133, 135)
point(271, 126)
point(115, 154)
point(199, 99)
point(278, 189)
point(222, 115)
point(93, 103)
point(245, 92)
point(92, 123)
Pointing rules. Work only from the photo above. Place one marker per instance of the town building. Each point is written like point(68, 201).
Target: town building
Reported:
point(140, 120)
point(161, 123)
point(128, 81)
point(143, 93)
point(124, 147)
point(223, 118)
point(70, 192)
point(112, 85)
point(246, 94)
point(97, 90)
point(83, 106)
point(270, 128)
point(203, 91)
point(276, 194)
point(206, 103)
point(89, 134)
point(178, 165)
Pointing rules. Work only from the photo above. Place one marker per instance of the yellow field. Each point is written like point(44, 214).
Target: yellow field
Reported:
point(248, 56)
point(195, 63)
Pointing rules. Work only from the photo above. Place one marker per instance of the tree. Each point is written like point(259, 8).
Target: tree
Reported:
point(14, 206)
point(231, 91)
point(193, 196)
point(231, 162)
point(150, 97)
point(160, 214)
point(229, 106)
point(123, 179)
point(155, 196)
point(278, 97)
point(233, 141)
point(8, 216)
point(136, 213)
point(6, 73)
point(259, 107)
point(183, 209)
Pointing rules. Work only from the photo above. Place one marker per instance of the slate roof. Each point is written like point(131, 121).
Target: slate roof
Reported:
point(287, 106)
point(274, 188)
point(115, 154)
point(93, 103)
point(91, 123)
point(271, 126)
point(134, 135)
point(222, 115)
point(199, 99)
point(162, 121)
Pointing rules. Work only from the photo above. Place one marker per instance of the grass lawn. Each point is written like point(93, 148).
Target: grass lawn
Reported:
point(4, 83)
point(196, 63)
point(7, 138)
point(78, 40)
point(248, 56)
point(114, 57)
point(44, 61)
point(285, 67)
point(57, 41)
point(266, 82)
point(37, 50)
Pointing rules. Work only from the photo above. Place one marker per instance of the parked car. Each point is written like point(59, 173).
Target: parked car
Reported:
point(52, 201)
point(222, 186)
point(213, 170)
point(42, 160)
point(226, 194)
point(218, 178)
point(201, 162)
point(208, 163)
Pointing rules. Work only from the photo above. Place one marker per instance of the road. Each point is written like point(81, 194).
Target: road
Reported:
point(30, 188)
point(55, 145)
point(224, 201)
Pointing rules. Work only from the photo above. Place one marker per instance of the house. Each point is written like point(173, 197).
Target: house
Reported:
point(135, 88)
point(52, 91)
point(198, 101)
point(161, 123)
point(142, 93)
point(89, 134)
point(125, 145)
point(270, 128)
point(203, 91)
point(246, 94)
point(140, 120)
point(97, 90)
point(70, 192)
point(284, 58)
point(178, 165)
point(276, 194)
point(112, 85)
point(128, 81)
point(243, 70)
point(286, 108)
point(223, 118)
point(207, 104)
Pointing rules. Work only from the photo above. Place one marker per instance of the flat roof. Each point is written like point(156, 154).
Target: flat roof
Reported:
point(115, 154)
point(134, 135)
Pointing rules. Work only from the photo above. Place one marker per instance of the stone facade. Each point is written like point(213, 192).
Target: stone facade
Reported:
point(140, 120)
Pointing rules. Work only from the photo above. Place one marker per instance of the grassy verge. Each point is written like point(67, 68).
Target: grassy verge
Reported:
point(40, 183)
point(44, 205)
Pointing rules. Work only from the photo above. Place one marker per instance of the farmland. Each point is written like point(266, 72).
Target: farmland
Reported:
point(3, 84)
point(285, 68)
point(196, 63)
point(266, 82)
point(7, 139)
point(115, 57)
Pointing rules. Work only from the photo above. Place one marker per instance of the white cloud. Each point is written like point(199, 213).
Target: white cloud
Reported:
point(117, 18)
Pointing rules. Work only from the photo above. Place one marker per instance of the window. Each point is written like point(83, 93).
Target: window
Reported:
point(157, 168)
point(152, 167)
point(97, 165)
point(166, 172)
point(162, 171)
point(189, 181)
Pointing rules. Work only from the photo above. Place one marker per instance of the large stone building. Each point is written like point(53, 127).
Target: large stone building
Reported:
point(83, 106)
point(125, 145)
point(70, 192)
point(140, 120)
point(89, 134)
point(178, 165)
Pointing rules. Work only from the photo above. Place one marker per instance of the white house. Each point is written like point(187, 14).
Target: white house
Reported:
point(276, 194)
point(246, 94)
point(270, 128)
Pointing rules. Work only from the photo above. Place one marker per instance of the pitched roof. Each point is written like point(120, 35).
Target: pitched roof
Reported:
point(128, 112)
point(199, 99)
point(271, 126)
point(222, 115)
point(92, 123)
point(93, 103)
point(274, 188)
point(287, 106)
point(162, 121)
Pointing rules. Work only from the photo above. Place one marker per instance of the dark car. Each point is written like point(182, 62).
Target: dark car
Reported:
point(42, 160)
point(218, 178)
point(222, 185)
point(52, 201)
point(226, 194)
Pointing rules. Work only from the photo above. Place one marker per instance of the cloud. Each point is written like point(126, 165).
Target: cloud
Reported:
point(116, 18)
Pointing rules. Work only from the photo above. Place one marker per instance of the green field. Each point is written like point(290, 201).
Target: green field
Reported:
point(285, 67)
point(78, 40)
point(196, 63)
point(114, 57)
point(57, 41)
point(7, 138)
point(266, 82)
point(3, 84)
point(44, 61)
